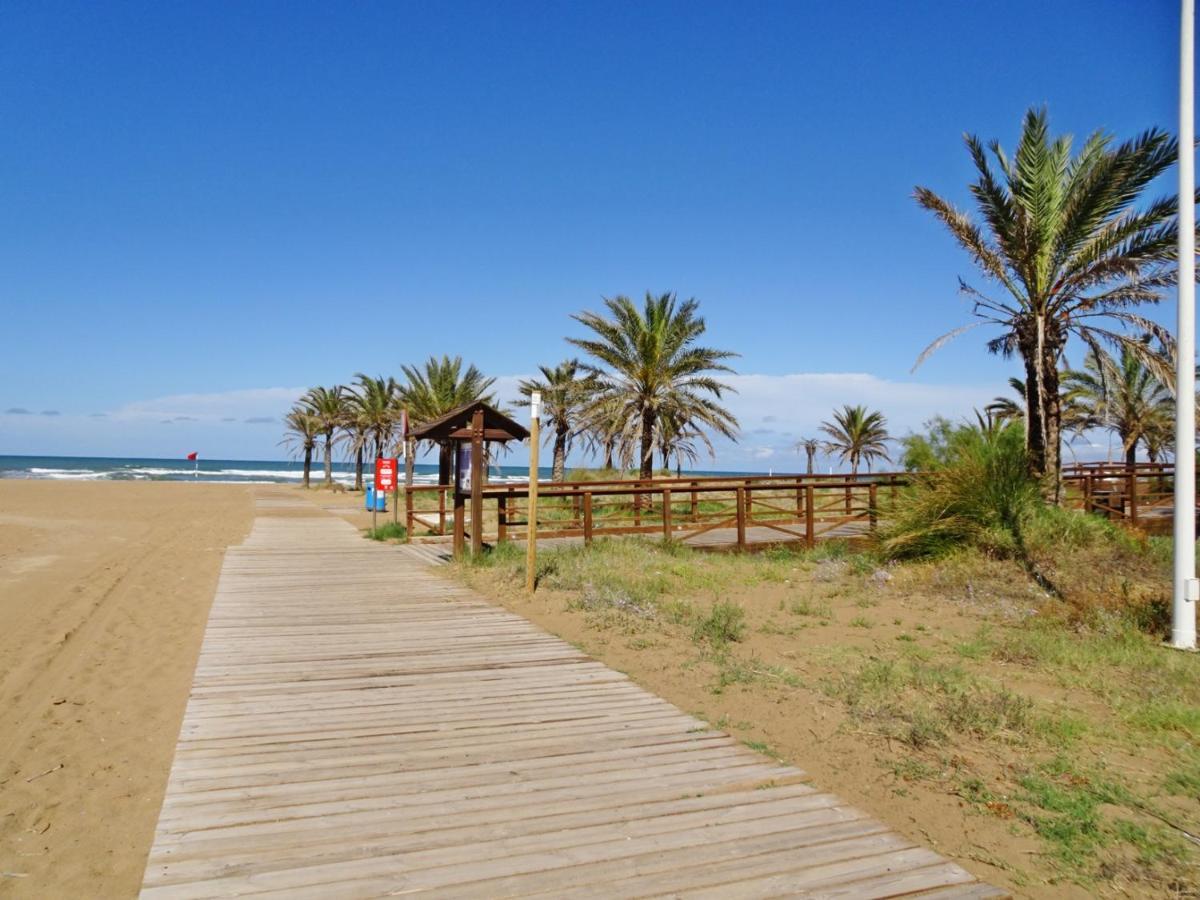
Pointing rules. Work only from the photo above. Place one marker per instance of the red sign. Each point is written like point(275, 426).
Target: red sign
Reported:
point(385, 474)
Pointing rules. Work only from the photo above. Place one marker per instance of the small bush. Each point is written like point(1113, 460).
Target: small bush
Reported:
point(724, 623)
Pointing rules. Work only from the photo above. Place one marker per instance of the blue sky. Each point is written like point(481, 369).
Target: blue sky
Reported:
point(206, 207)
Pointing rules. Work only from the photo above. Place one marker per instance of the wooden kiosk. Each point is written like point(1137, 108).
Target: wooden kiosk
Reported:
point(468, 428)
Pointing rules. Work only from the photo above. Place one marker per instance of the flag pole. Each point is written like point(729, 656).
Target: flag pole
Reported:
point(1186, 587)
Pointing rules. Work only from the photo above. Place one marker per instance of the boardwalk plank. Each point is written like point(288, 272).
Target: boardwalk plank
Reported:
point(359, 725)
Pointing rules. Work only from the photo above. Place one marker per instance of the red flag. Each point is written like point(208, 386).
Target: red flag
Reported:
point(192, 456)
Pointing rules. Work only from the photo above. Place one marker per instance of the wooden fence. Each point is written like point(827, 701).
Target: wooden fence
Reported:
point(760, 509)
point(702, 511)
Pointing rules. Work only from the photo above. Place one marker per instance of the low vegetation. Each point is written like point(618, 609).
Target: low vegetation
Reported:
point(1044, 736)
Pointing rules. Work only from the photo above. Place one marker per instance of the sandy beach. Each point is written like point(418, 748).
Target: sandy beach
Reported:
point(104, 594)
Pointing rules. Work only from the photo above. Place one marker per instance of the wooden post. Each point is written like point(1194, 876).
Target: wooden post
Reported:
point(810, 519)
point(477, 482)
point(408, 514)
point(535, 412)
point(799, 498)
point(501, 519)
point(460, 511)
point(872, 497)
point(442, 507)
point(741, 517)
point(1133, 502)
point(849, 502)
point(666, 504)
point(1087, 494)
point(587, 519)
point(695, 503)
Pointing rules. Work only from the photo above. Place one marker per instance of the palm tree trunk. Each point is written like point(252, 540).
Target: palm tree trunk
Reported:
point(1131, 454)
point(646, 469)
point(609, 447)
point(1043, 418)
point(559, 472)
point(358, 467)
point(812, 453)
point(329, 458)
point(308, 450)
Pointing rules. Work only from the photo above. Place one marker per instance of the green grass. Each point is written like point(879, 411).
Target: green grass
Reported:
point(389, 531)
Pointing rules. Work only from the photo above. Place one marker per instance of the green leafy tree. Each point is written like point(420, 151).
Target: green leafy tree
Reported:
point(810, 446)
point(858, 435)
point(437, 388)
point(301, 434)
point(648, 366)
point(566, 391)
point(374, 407)
point(1073, 249)
point(1124, 396)
point(327, 407)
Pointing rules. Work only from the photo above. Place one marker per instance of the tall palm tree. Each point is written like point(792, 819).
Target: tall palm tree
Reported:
point(1072, 249)
point(375, 410)
point(1125, 397)
point(327, 407)
point(439, 387)
point(301, 433)
point(566, 391)
point(857, 435)
point(647, 363)
point(811, 446)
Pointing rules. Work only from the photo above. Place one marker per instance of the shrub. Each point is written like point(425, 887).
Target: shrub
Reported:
point(983, 496)
point(725, 622)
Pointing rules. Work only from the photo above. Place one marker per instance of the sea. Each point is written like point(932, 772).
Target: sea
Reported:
point(222, 471)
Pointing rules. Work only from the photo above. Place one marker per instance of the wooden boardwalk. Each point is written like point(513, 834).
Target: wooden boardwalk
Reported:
point(360, 726)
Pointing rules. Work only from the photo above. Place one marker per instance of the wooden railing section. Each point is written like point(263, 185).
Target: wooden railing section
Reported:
point(797, 508)
point(794, 508)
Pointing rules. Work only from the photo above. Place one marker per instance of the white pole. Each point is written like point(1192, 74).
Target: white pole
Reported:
point(535, 411)
point(1183, 606)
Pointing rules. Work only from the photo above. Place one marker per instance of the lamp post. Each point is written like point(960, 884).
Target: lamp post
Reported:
point(535, 412)
point(1186, 587)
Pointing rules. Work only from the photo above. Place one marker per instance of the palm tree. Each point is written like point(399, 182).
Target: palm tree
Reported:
point(857, 435)
point(1125, 397)
point(1072, 250)
point(327, 407)
point(647, 364)
point(566, 391)
point(375, 410)
point(301, 433)
point(438, 388)
point(1009, 409)
point(811, 447)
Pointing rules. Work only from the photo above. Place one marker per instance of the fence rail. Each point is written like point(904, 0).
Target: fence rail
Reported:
point(741, 511)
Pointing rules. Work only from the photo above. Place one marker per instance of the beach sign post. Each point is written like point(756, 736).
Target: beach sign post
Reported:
point(535, 411)
point(385, 480)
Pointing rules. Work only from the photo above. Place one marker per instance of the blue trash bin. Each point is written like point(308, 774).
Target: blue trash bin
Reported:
point(381, 501)
point(370, 504)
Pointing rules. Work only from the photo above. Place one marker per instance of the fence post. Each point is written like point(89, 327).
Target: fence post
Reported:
point(1133, 504)
point(501, 519)
point(695, 503)
point(872, 497)
point(810, 519)
point(1087, 494)
point(441, 509)
point(849, 498)
point(587, 519)
point(741, 518)
point(666, 503)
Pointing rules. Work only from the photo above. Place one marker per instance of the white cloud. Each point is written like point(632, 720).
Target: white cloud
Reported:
point(251, 403)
